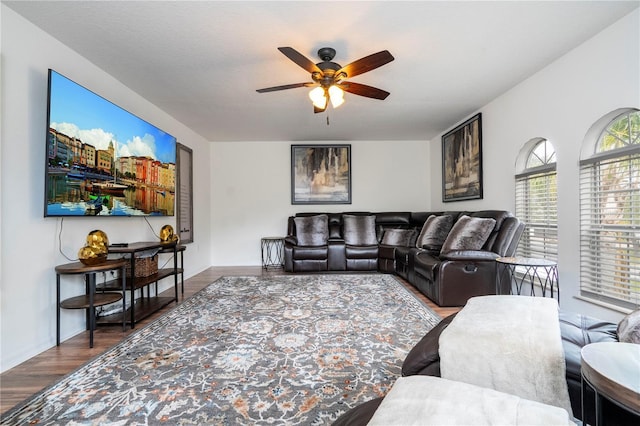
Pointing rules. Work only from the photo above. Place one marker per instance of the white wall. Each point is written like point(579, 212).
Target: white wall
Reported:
point(559, 103)
point(30, 243)
point(242, 190)
point(251, 186)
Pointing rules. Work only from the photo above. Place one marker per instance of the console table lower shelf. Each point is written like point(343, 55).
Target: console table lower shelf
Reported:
point(141, 307)
point(144, 305)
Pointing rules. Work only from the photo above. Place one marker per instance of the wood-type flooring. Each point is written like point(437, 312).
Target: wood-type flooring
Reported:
point(40, 371)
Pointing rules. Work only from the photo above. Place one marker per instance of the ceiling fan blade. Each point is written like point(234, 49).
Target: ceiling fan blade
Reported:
point(285, 87)
point(363, 90)
point(366, 64)
point(299, 59)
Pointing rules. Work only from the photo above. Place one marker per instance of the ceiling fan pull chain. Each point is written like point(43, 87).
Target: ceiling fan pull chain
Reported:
point(327, 119)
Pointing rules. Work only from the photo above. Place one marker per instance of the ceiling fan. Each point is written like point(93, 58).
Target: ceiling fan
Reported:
point(329, 78)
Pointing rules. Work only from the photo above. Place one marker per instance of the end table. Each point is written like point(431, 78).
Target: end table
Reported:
point(272, 252)
point(90, 299)
point(542, 272)
point(612, 370)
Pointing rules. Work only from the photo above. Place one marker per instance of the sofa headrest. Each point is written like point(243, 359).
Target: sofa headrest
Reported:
point(393, 218)
point(419, 218)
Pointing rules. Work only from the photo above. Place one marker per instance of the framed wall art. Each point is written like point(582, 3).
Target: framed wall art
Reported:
point(320, 174)
point(184, 192)
point(462, 161)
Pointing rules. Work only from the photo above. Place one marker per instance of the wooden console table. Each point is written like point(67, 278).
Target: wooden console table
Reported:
point(90, 299)
point(144, 306)
point(180, 269)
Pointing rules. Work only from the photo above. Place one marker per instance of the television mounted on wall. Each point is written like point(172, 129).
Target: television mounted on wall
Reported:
point(102, 160)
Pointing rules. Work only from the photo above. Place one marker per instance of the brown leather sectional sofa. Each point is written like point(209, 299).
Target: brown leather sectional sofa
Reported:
point(447, 265)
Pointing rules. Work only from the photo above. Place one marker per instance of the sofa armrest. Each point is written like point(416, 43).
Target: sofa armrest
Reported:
point(424, 357)
point(430, 250)
point(360, 414)
point(291, 240)
point(477, 255)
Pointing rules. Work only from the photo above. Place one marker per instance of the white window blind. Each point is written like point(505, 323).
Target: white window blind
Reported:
point(610, 227)
point(536, 205)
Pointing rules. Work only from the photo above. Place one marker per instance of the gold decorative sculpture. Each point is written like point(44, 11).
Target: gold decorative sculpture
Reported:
point(167, 235)
point(96, 249)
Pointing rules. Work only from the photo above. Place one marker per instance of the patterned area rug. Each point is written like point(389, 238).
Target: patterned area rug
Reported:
point(295, 349)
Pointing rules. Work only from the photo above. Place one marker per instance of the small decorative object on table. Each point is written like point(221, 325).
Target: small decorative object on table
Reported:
point(96, 249)
point(167, 235)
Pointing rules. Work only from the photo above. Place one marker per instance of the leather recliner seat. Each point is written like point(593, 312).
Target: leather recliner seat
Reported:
point(451, 278)
point(338, 254)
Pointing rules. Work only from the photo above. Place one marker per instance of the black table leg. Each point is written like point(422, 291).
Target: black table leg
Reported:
point(57, 309)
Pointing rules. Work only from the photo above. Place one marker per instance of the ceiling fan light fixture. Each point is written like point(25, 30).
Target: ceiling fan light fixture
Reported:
point(336, 95)
point(329, 77)
point(318, 97)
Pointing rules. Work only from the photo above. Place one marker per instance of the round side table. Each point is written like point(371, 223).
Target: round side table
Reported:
point(521, 270)
point(272, 252)
point(612, 370)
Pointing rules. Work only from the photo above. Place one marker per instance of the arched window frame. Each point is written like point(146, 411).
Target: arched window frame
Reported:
point(537, 200)
point(610, 210)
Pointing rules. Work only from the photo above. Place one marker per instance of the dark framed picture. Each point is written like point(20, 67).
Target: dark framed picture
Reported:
point(462, 161)
point(320, 174)
point(184, 193)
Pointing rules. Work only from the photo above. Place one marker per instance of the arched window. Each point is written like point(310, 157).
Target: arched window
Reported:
point(610, 211)
point(536, 199)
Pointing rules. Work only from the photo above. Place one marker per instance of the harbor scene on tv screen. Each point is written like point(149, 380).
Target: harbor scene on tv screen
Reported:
point(103, 160)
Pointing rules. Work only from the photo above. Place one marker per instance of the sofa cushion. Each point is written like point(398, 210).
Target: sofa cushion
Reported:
point(312, 231)
point(360, 230)
point(578, 331)
point(310, 253)
point(629, 328)
point(468, 233)
point(398, 237)
point(434, 232)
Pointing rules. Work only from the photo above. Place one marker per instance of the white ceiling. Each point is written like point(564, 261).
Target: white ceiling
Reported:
point(202, 61)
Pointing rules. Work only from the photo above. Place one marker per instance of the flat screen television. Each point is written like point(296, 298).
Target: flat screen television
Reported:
point(102, 160)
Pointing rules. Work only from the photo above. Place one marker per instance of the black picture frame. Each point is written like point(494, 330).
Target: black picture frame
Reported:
point(462, 161)
point(321, 174)
point(184, 193)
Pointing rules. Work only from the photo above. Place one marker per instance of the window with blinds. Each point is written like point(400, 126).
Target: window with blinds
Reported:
point(610, 215)
point(536, 203)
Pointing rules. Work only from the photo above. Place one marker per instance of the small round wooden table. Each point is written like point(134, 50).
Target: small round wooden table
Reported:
point(90, 299)
point(612, 370)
